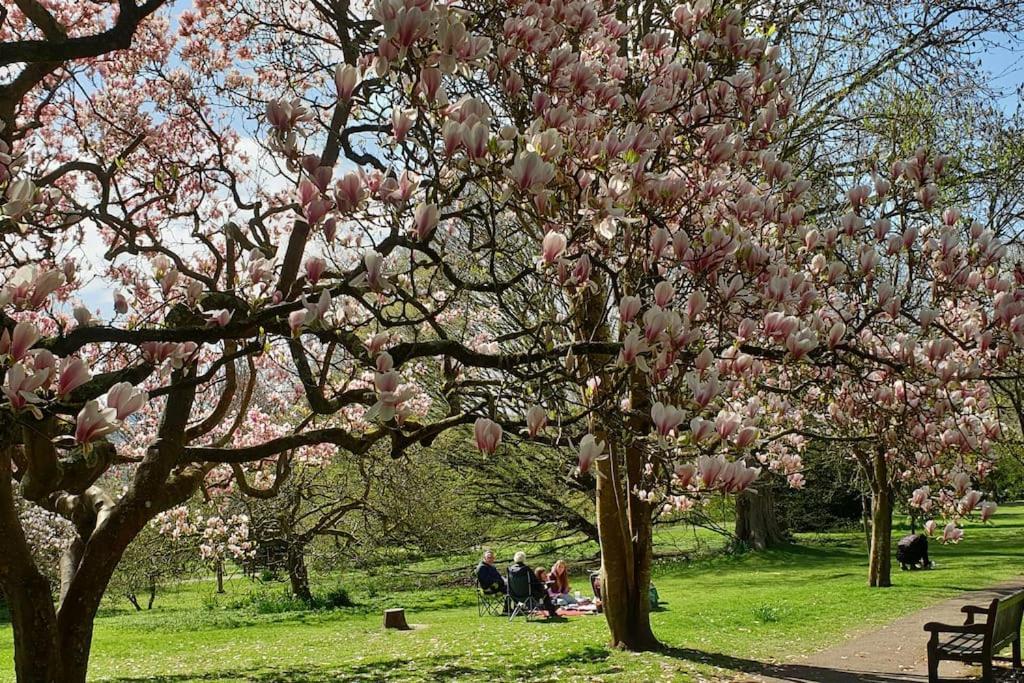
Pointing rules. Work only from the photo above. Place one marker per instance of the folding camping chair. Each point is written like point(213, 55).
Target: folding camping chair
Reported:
point(520, 597)
point(489, 602)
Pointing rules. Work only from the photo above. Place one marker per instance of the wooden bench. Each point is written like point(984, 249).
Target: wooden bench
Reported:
point(977, 642)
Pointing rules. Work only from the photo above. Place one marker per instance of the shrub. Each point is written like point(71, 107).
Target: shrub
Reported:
point(767, 614)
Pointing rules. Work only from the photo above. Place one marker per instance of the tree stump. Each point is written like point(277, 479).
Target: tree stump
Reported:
point(395, 618)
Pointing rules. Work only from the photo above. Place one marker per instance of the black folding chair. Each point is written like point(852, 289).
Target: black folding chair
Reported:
point(520, 596)
point(488, 602)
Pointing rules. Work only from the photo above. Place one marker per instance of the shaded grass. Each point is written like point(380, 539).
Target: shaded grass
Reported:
point(725, 614)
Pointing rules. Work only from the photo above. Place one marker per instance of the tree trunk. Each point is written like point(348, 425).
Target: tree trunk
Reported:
point(757, 523)
point(220, 576)
point(37, 651)
point(880, 566)
point(29, 600)
point(52, 645)
point(298, 576)
point(624, 522)
point(882, 498)
point(625, 577)
point(626, 531)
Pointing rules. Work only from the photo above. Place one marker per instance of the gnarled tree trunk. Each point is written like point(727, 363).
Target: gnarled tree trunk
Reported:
point(757, 523)
point(298, 576)
point(52, 644)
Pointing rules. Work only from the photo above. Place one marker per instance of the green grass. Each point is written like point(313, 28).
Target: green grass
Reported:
point(724, 615)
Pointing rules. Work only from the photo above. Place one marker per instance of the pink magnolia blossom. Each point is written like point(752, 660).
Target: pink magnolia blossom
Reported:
point(219, 318)
point(384, 362)
point(590, 449)
point(94, 422)
point(552, 247)
point(930, 527)
point(684, 474)
point(629, 308)
point(20, 387)
point(487, 435)
point(663, 293)
point(424, 221)
point(711, 468)
point(836, 334)
point(44, 362)
point(536, 419)
point(736, 477)
point(988, 508)
point(315, 268)
point(530, 173)
point(920, 496)
point(296, 320)
point(952, 533)
point(961, 482)
point(125, 399)
point(73, 374)
point(695, 304)
point(632, 346)
point(666, 419)
point(374, 276)
point(402, 121)
point(346, 78)
point(969, 502)
point(701, 429)
point(24, 336)
point(746, 437)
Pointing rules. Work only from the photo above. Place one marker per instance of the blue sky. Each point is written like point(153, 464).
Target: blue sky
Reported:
point(1005, 62)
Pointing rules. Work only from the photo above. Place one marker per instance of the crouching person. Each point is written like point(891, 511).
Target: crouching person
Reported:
point(912, 552)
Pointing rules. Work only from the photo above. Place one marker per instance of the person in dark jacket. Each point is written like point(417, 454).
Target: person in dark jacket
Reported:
point(520, 575)
point(912, 552)
point(488, 576)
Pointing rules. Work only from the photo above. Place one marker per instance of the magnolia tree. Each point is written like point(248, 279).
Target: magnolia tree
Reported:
point(177, 318)
point(746, 326)
point(217, 538)
point(561, 220)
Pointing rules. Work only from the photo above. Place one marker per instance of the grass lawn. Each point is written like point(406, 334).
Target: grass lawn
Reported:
point(724, 616)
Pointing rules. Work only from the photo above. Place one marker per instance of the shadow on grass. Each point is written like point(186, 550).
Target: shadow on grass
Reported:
point(451, 668)
point(791, 673)
point(437, 668)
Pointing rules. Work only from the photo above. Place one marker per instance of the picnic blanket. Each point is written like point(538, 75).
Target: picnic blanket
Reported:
point(577, 610)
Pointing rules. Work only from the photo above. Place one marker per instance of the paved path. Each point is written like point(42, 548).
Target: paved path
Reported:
point(893, 654)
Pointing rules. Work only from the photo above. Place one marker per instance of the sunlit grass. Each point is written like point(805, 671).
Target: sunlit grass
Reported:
point(724, 614)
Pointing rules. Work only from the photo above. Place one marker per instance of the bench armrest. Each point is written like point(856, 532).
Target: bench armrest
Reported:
point(973, 611)
point(936, 627)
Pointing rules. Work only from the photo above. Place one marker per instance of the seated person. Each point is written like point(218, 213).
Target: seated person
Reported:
point(520, 575)
point(560, 590)
point(488, 576)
